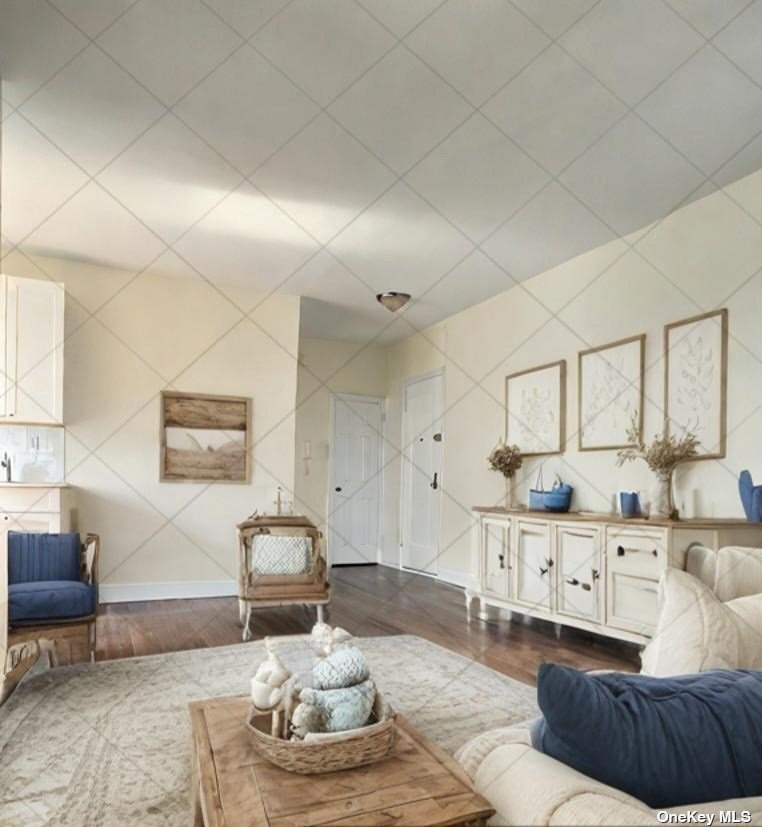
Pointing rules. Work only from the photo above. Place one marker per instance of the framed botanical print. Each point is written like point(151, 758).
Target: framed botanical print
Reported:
point(535, 407)
point(610, 397)
point(204, 438)
point(695, 379)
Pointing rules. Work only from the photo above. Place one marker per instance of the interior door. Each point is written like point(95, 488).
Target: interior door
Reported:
point(422, 472)
point(355, 501)
point(4, 382)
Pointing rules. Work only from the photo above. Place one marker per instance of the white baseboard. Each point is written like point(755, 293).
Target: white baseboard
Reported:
point(456, 577)
point(388, 564)
point(128, 592)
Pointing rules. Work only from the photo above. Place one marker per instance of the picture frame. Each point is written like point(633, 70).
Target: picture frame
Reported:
point(535, 409)
point(610, 393)
point(204, 438)
point(696, 379)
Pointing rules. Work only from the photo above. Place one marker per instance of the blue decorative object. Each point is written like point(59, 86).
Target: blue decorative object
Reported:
point(557, 499)
point(666, 741)
point(751, 497)
point(629, 503)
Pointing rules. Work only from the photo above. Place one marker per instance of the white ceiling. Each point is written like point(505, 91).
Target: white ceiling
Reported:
point(337, 148)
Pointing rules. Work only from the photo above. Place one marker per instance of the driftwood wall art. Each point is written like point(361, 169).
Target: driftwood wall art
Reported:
point(204, 438)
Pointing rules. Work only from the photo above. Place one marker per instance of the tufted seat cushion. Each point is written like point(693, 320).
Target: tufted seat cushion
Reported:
point(33, 603)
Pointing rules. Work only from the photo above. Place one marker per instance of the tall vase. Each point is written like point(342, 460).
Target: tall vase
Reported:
point(510, 501)
point(662, 498)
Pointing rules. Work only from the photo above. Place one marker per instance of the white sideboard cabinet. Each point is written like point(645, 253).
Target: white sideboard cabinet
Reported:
point(597, 572)
point(31, 350)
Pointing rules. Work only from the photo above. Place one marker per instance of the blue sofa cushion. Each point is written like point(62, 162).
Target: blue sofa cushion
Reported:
point(30, 603)
point(666, 741)
point(33, 557)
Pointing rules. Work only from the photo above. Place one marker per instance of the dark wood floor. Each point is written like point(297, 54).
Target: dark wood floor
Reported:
point(367, 601)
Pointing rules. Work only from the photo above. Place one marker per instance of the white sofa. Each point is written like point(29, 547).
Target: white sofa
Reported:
point(723, 591)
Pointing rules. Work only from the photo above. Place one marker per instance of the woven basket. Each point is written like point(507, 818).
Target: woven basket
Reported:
point(329, 752)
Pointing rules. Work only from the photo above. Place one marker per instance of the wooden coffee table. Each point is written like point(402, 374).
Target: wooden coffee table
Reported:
point(234, 786)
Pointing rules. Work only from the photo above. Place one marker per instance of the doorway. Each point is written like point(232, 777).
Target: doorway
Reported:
point(422, 434)
point(354, 501)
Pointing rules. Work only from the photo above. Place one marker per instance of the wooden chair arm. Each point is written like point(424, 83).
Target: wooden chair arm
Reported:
point(89, 559)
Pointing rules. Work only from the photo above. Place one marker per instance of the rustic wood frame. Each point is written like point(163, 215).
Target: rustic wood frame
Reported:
point(724, 329)
point(209, 397)
point(641, 391)
point(561, 365)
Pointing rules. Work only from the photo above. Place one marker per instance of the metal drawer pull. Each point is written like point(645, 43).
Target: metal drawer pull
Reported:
point(620, 550)
point(586, 587)
point(543, 571)
point(596, 574)
point(573, 582)
point(501, 560)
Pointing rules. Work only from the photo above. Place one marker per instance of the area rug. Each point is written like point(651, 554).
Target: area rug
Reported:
point(108, 744)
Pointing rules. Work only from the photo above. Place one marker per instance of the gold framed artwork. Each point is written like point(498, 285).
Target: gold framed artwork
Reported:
point(696, 379)
point(610, 393)
point(535, 409)
point(204, 438)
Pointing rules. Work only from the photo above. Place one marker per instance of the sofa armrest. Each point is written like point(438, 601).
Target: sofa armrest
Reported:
point(529, 788)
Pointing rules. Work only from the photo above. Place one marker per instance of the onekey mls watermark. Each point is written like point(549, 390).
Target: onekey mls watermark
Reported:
point(697, 817)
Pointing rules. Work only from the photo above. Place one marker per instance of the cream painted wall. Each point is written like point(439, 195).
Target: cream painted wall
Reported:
point(325, 367)
point(126, 341)
point(710, 253)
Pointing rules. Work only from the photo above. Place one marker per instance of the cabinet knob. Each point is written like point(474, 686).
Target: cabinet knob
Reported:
point(543, 571)
point(573, 582)
point(620, 551)
point(596, 574)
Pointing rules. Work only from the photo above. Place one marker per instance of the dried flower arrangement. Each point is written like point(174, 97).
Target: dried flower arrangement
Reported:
point(665, 452)
point(506, 460)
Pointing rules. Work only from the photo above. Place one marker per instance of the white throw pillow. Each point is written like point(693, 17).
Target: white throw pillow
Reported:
point(697, 631)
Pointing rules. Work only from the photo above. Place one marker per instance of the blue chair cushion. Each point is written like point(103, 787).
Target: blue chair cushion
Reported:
point(33, 557)
point(32, 603)
point(666, 741)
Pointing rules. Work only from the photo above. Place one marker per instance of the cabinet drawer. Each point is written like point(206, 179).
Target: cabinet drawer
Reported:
point(29, 521)
point(33, 500)
point(632, 603)
point(638, 553)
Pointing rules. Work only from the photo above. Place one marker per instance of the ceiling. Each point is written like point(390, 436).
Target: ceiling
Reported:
point(339, 148)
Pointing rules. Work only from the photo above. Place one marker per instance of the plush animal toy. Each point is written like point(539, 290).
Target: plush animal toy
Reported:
point(333, 710)
point(326, 639)
point(267, 684)
point(342, 668)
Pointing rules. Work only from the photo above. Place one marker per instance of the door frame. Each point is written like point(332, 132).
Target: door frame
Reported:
point(380, 401)
point(413, 380)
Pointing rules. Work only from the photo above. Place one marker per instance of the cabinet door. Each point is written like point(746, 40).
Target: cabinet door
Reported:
point(34, 349)
point(578, 569)
point(495, 557)
point(533, 564)
point(5, 383)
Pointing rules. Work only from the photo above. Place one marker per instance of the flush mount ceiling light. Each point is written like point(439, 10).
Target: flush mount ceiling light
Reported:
point(393, 301)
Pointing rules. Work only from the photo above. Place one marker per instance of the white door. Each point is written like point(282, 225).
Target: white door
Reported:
point(422, 472)
point(34, 349)
point(355, 479)
point(4, 378)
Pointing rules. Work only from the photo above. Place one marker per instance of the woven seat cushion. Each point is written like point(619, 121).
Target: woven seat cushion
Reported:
point(30, 603)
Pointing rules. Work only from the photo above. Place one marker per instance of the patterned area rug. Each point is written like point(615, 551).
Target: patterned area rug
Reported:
point(109, 744)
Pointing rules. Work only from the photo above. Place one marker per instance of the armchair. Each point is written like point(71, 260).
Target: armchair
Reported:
point(52, 589)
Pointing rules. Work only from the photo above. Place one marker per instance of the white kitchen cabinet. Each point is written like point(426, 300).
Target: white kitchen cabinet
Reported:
point(597, 572)
point(31, 353)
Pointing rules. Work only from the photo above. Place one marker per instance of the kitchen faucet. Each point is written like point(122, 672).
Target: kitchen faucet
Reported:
point(6, 463)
